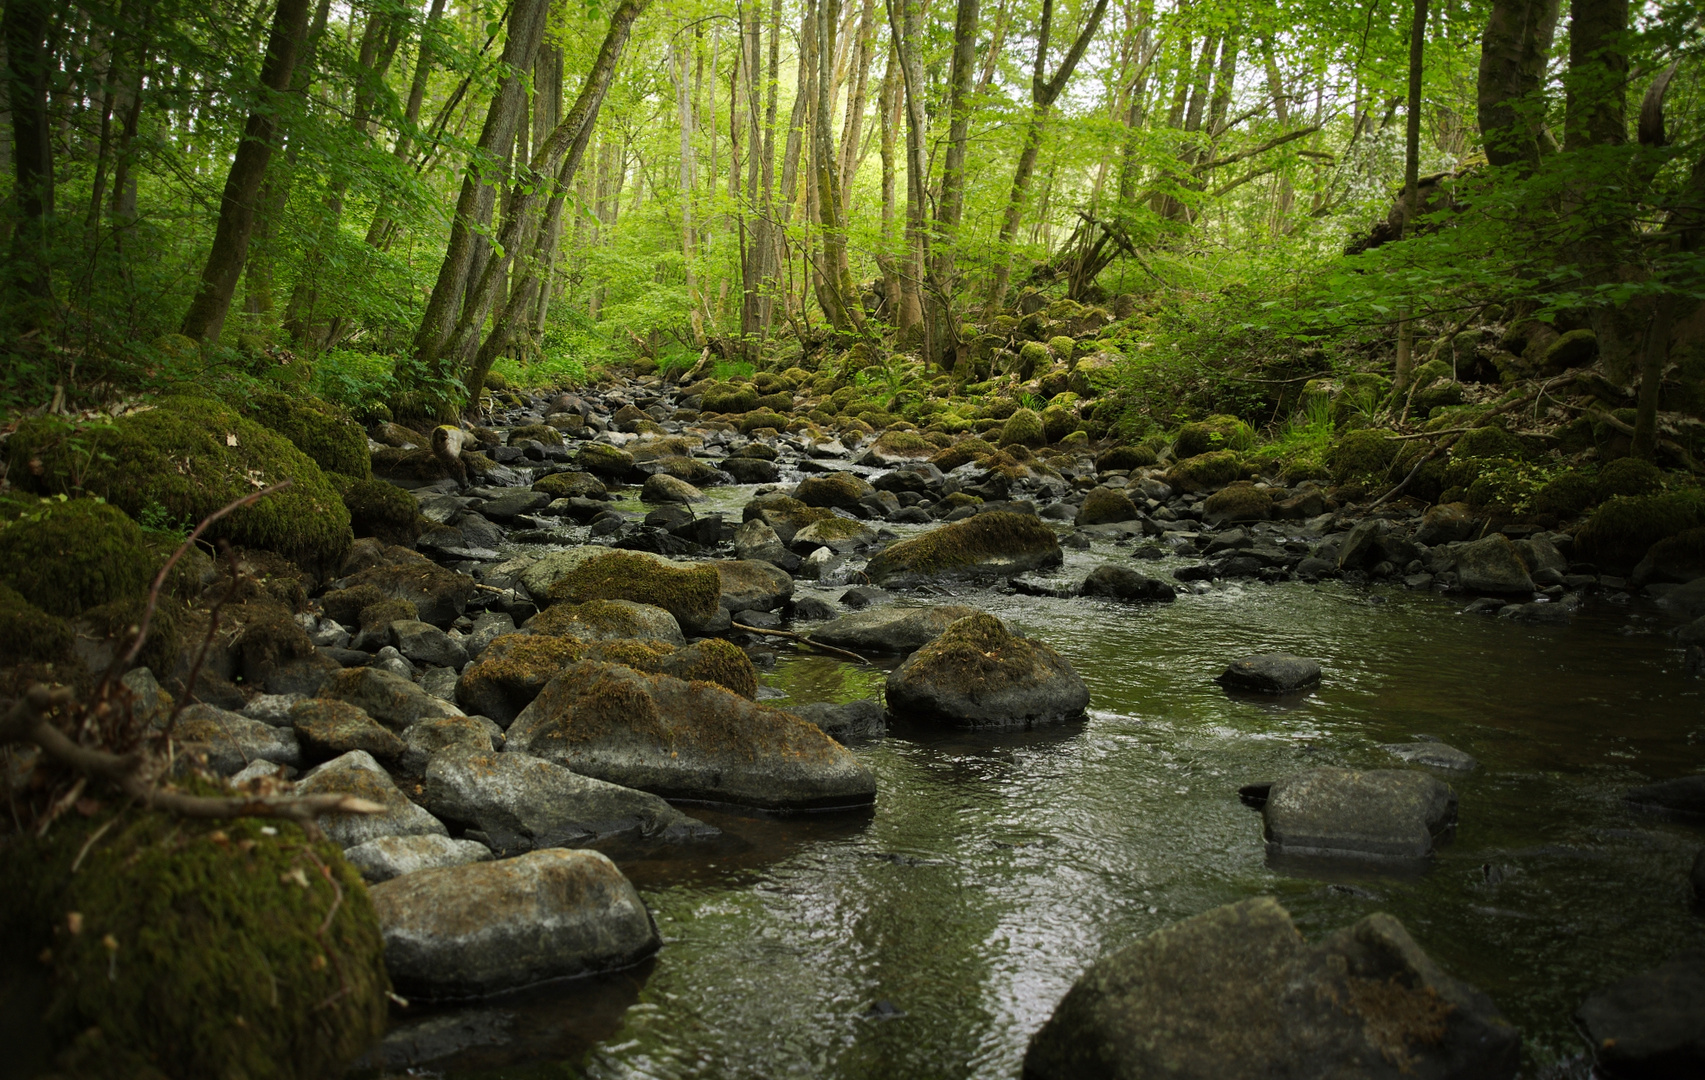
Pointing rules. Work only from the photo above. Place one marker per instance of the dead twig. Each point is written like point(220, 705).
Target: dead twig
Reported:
point(805, 640)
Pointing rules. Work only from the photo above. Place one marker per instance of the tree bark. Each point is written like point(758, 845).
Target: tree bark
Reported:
point(1513, 53)
point(29, 66)
point(206, 316)
point(1597, 83)
point(835, 290)
point(479, 192)
point(908, 35)
point(940, 333)
point(852, 130)
point(1411, 174)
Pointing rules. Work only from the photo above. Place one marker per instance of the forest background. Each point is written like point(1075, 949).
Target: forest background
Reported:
point(398, 204)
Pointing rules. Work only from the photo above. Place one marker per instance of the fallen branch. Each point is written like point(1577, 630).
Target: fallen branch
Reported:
point(804, 639)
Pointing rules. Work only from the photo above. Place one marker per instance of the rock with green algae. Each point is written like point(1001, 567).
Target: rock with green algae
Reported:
point(1361, 455)
point(186, 458)
point(766, 418)
point(994, 544)
point(1024, 428)
point(785, 514)
point(67, 556)
point(687, 591)
point(323, 431)
point(1124, 458)
point(606, 461)
point(1235, 993)
point(729, 399)
point(572, 485)
point(1103, 505)
point(1679, 558)
point(1217, 432)
point(608, 620)
point(1621, 531)
point(1568, 493)
point(980, 674)
point(1205, 471)
point(155, 943)
point(1628, 476)
point(893, 448)
point(833, 489)
point(539, 433)
point(1240, 501)
point(382, 509)
point(438, 594)
point(686, 740)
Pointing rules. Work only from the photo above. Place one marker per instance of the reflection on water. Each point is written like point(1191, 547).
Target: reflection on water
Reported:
point(931, 937)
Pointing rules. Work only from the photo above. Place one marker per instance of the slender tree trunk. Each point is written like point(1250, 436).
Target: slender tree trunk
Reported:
point(1597, 83)
point(29, 67)
point(940, 331)
point(381, 225)
point(908, 37)
point(852, 130)
point(835, 290)
point(1411, 174)
point(479, 193)
point(888, 111)
point(1513, 53)
point(680, 64)
point(206, 316)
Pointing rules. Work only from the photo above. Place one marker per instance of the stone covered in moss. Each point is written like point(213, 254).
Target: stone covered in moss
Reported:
point(571, 485)
point(29, 633)
point(1360, 456)
point(539, 433)
point(323, 431)
point(606, 461)
point(605, 620)
point(766, 418)
point(993, 544)
point(439, 595)
point(185, 947)
point(1024, 428)
point(833, 489)
point(1205, 471)
point(382, 509)
point(1104, 505)
point(690, 593)
point(1623, 530)
point(1568, 493)
point(1628, 476)
point(729, 399)
point(785, 514)
point(1241, 501)
point(1124, 458)
point(960, 452)
point(978, 673)
point(1218, 432)
point(897, 447)
point(68, 556)
point(511, 671)
point(189, 457)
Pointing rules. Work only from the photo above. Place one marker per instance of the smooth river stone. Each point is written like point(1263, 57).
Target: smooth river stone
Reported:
point(1377, 813)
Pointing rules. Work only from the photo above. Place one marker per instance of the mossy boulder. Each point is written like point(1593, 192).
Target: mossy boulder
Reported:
point(1360, 456)
point(1623, 530)
point(572, 485)
point(438, 594)
point(1678, 558)
point(1568, 493)
point(785, 514)
point(898, 447)
point(978, 673)
point(609, 462)
point(185, 947)
point(960, 452)
point(994, 544)
point(511, 671)
point(69, 556)
point(691, 593)
point(1104, 505)
point(1628, 476)
point(1205, 471)
point(1124, 458)
point(382, 509)
point(543, 434)
point(833, 489)
point(606, 620)
point(729, 399)
point(323, 431)
point(1057, 422)
point(1024, 428)
point(29, 633)
point(765, 418)
point(186, 458)
point(1241, 501)
point(1219, 432)
point(1577, 348)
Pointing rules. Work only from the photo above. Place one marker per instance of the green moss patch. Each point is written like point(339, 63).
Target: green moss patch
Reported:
point(966, 545)
point(539, 433)
point(185, 459)
point(691, 594)
point(323, 431)
point(1628, 476)
point(752, 421)
point(1024, 428)
point(1360, 456)
point(29, 633)
point(1219, 432)
point(381, 509)
point(1239, 502)
point(67, 556)
point(1621, 531)
point(1205, 471)
point(571, 485)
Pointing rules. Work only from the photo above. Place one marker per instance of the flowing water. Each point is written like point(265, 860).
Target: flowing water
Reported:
point(931, 936)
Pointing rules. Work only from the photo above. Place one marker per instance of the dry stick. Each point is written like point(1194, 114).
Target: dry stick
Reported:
point(803, 638)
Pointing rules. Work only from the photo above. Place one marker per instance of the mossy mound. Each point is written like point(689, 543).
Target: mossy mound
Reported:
point(323, 431)
point(571, 485)
point(833, 489)
point(1628, 476)
point(752, 421)
point(604, 620)
point(1205, 471)
point(1566, 494)
point(1024, 428)
point(68, 556)
point(1623, 530)
point(711, 660)
point(186, 458)
point(1124, 458)
point(1490, 442)
point(690, 593)
point(539, 433)
point(1680, 557)
point(29, 633)
point(512, 670)
point(777, 402)
point(996, 542)
point(960, 452)
point(1361, 455)
point(1241, 501)
point(183, 947)
point(382, 509)
point(903, 444)
point(1219, 432)
point(1102, 506)
point(729, 399)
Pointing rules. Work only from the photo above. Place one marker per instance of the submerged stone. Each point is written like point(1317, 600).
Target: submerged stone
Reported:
point(1270, 673)
point(1377, 813)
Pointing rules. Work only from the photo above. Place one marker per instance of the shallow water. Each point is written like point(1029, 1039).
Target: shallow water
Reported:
point(933, 935)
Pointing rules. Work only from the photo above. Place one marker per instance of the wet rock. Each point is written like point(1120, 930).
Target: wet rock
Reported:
point(1374, 813)
point(843, 490)
point(448, 735)
point(1446, 523)
point(423, 643)
point(469, 930)
point(271, 709)
point(865, 596)
point(510, 673)
point(663, 488)
point(1270, 673)
point(811, 609)
point(1652, 1024)
point(755, 539)
point(1435, 754)
point(752, 585)
point(1237, 994)
point(386, 696)
point(1361, 549)
point(853, 721)
point(889, 629)
point(994, 544)
point(605, 461)
point(608, 620)
point(231, 741)
point(511, 505)
point(688, 591)
point(1688, 600)
point(837, 534)
point(571, 485)
point(1543, 612)
point(327, 729)
point(393, 856)
point(356, 773)
point(438, 595)
point(1104, 505)
point(686, 740)
point(747, 470)
point(1685, 795)
point(979, 674)
point(1122, 583)
point(1492, 565)
point(522, 802)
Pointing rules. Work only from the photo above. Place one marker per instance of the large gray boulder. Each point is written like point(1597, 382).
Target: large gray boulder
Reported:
point(890, 629)
point(752, 585)
point(686, 741)
point(470, 930)
point(978, 673)
point(356, 773)
point(1492, 565)
point(522, 802)
point(1376, 813)
point(393, 856)
point(387, 697)
point(1270, 673)
point(995, 544)
point(1122, 583)
point(1237, 994)
point(757, 540)
point(1650, 1025)
point(231, 740)
point(448, 735)
point(327, 729)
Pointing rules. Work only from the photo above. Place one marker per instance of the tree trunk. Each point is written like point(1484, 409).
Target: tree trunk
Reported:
point(1513, 53)
point(1597, 83)
point(908, 35)
point(206, 316)
point(852, 130)
point(29, 66)
point(835, 290)
point(679, 65)
point(940, 333)
point(381, 226)
point(888, 111)
point(478, 195)
point(1411, 174)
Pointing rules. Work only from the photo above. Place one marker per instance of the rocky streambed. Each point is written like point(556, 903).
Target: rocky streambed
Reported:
point(713, 749)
